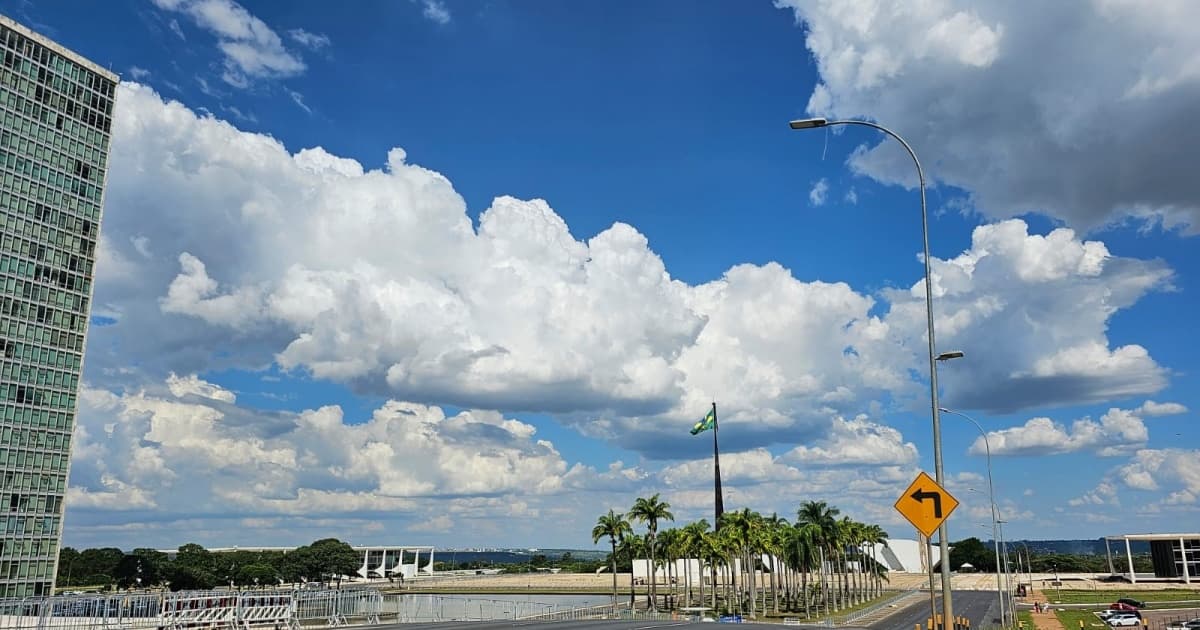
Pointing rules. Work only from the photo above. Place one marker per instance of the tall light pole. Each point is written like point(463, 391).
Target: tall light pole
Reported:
point(996, 546)
point(1007, 571)
point(944, 543)
point(992, 500)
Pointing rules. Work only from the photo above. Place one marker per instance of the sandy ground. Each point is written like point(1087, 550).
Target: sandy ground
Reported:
point(602, 582)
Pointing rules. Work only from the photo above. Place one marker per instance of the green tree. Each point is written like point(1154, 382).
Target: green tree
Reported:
point(194, 558)
point(823, 518)
point(973, 551)
point(68, 561)
point(257, 574)
point(651, 511)
point(99, 565)
point(614, 526)
point(335, 558)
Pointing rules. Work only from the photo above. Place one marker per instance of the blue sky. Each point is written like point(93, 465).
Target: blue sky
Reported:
point(273, 272)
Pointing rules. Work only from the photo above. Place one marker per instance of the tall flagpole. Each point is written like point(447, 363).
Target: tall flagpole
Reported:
point(720, 503)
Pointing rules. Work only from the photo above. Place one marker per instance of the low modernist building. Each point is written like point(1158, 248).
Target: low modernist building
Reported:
point(1175, 556)
point(379, 561)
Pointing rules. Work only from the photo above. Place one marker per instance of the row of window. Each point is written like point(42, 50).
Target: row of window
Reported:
point(24, 589)
point(50, 118)
point(36, 503)
point(55, 462)
point(71, 174)
point(15, 267)
point(26, 525)
point(72, 296)
point(28, 167)
point(33, 482)
point(35, 438)
point(54, 147)
point(32, 375)
point(56, 256)
point(27, 352)
point(64, 204)
point(42, 251)
point(30, 395)
point(38, 63)
point(44, 140)
point(17, 569)
point(25, 547)
point(59, 240)
point(47, 316)
point(44, 418)
point(15, 184)
point(12, 223)
point(44, 56)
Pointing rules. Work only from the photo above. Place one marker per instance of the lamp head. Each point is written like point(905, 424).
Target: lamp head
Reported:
point(808, 123)
point(946, 356)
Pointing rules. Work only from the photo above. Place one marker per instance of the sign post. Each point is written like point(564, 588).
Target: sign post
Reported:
point(927, 505)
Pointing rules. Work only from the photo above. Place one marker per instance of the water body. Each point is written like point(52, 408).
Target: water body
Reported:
point(418, 607)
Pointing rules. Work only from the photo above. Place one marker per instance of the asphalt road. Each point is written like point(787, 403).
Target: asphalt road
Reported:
point(583, 624)
point(981, 607)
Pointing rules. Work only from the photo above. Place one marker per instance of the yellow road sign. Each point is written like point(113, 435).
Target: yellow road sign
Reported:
point(926, 504)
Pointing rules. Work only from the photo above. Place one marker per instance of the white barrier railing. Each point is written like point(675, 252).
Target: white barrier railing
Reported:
point(281, 610)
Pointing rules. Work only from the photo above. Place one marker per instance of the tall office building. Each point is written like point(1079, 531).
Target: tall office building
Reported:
point(56, 110)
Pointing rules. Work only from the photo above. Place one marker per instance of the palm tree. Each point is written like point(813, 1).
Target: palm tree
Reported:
point(773, 544)
point(651, 511)
point(692, 543)
point(803, 545)
point(614, 525)
point(875, 535)
point(668, 547)
point(824, 517)
point(631, 546)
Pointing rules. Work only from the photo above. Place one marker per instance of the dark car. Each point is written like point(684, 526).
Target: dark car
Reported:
point(1132, 602)
point(1125, 608)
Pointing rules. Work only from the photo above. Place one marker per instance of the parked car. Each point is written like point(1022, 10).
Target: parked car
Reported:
point(1132, 602)
point(1123, 619)
point(1185, 625)
point(1106, 613)
point(1123, 606)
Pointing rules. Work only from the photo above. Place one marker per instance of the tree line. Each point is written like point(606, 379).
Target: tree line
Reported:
point(825, 563)
point(196, 568)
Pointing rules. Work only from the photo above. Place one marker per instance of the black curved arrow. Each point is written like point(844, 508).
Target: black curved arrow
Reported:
point(920, 496)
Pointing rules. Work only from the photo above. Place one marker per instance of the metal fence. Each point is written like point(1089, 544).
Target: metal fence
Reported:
point(852, 617)
point(297, 609)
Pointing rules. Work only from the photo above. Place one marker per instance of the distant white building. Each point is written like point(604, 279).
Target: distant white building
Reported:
point(898, 556)
point(901, 555)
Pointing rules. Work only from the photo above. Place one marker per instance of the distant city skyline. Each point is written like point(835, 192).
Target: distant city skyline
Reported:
point(466, 274)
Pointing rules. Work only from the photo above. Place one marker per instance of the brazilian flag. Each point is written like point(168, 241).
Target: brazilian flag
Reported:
point(707, 423)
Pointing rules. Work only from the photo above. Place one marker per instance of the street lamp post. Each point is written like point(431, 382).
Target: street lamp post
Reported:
point(996, 546)
point(1007, 570)
point(991, 499)
point(943, 543)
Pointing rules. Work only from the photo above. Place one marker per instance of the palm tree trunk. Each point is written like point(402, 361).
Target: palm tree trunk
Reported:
point(650, 592)
point(804, 590)
point(614, 567)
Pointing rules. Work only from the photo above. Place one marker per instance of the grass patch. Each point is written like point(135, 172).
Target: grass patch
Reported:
point(1068, 596)
point(1071, 619)
point(1026, 619)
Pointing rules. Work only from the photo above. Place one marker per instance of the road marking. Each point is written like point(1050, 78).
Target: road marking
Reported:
point(681, 623)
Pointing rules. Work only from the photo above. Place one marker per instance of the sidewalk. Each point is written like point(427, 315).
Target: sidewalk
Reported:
point(1044, 620)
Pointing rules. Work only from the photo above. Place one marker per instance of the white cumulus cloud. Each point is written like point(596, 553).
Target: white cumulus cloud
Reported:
point(998, 100)
point(251, 49)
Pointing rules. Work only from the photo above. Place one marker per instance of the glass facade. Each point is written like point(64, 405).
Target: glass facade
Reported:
point(55, 118)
